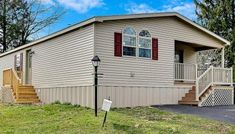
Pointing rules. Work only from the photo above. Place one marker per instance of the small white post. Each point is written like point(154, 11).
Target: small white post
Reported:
point(222, 56)
point(212, 74)
point(231, 76)
point(197, 86)
point(197, 90)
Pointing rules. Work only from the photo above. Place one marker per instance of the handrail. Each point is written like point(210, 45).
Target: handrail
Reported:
point(213, 75)
point(15, 74)
point(7, 80)
point(13, 80)
point(204, 72)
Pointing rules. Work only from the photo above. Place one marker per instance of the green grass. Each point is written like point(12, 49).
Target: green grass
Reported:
point(68, 119)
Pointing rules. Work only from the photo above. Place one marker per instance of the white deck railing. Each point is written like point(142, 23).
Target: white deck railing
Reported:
point(222, 75)
point(185, 72)
point(213, 76)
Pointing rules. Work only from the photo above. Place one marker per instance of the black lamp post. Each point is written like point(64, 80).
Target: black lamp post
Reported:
point(95, 62)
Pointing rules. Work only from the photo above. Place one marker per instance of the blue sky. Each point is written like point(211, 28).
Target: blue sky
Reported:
point(79, 10)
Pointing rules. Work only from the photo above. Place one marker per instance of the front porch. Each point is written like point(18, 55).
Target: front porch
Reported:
point(210, 86)
point(17, 92)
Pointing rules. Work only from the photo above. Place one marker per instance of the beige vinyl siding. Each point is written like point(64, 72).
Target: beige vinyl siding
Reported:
point(183, 32)
point(64, 61)
point(8, 62)
point(61, 61)
point(189, 53)
point(149, 72)
point(190, 56)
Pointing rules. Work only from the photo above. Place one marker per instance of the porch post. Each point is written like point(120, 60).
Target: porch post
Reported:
point(222, 56)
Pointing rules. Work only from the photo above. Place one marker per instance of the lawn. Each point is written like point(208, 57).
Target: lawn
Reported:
point(68, 119)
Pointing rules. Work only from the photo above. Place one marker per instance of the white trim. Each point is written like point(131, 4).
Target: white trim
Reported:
point(185, 80)
point(148, 38)
point(137, 45)
point(128, 35)
point(183, 86)
point(117, 17)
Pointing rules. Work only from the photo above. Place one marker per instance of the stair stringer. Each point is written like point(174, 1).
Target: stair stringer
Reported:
point(208, 98)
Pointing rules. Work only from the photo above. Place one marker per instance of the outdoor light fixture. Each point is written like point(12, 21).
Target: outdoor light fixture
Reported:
point(95, 62)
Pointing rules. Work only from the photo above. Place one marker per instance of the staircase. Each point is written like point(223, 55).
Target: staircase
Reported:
point(23, 94)
point(213, 87)
point(189, 98)
point(26, 95)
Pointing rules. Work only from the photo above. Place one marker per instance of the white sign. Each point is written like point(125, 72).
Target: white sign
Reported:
point(106, 105)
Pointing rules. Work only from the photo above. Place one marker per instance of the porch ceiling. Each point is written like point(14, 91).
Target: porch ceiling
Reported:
point(197, 47)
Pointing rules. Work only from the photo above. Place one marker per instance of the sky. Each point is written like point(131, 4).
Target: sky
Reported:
point(80, 10)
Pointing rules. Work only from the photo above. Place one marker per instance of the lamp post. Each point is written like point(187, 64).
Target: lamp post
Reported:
point(95, 62)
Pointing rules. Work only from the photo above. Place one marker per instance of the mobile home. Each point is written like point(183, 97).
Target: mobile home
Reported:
point(146, 59)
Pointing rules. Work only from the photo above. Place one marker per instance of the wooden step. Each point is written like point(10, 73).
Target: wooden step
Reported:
point(191, 95)
point(27, 93)
point(25, 86)
point(28, 96)
point(26, 90)
point(192, 91)
point(189, 98)
point(27, 100)
point(188, 102)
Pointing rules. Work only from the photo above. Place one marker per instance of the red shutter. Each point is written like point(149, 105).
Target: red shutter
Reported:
point(118, 44)
point(21, 62)
point(155, 49)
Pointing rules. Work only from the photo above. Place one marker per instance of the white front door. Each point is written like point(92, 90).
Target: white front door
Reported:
point(29, 67)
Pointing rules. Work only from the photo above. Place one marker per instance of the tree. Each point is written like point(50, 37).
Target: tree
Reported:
point(219, 17)
point(20, 19)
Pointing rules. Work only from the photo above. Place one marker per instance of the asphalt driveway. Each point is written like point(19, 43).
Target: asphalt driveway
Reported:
point(221, 113)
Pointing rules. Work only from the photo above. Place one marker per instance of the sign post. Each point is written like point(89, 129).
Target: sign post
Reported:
point(106, 107)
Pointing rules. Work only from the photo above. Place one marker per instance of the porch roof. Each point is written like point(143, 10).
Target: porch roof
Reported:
point(197, 47)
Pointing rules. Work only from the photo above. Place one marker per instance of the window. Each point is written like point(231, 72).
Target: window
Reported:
point(145, 44)
point(129, 43)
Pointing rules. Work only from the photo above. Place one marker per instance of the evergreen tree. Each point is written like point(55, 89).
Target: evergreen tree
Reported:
point(219, 17)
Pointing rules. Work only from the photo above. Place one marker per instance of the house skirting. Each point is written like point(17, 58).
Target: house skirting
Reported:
point(81, 95)
point(6, 95)
point(219, 96)
point(121, 96)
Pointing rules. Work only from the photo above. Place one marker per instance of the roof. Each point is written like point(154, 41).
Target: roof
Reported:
point(117, 17)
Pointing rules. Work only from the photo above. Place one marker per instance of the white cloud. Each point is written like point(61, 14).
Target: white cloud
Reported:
point(139, 8)
point(81, 6)
point(186, 9)
point(48, 2)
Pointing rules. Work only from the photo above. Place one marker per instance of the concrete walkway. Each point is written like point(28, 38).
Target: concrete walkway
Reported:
point(221, 113)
